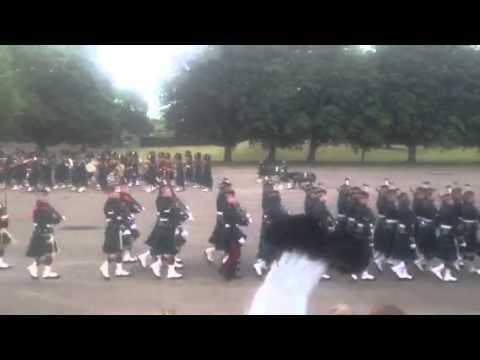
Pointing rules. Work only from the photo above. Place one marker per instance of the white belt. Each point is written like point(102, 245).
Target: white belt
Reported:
point(425, 219)
point(228, 226)
point(391, 221)
point(381, 216)
point(446, 227)
point(4, 217)
point(163, 219)
point(351, 219)
point(220, 213)
point(469, 221)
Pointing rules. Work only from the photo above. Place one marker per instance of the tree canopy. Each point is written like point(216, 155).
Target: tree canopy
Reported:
point(283, 96)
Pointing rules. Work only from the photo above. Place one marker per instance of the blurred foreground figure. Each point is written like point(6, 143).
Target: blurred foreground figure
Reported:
point(43, 246)
point(306, 251)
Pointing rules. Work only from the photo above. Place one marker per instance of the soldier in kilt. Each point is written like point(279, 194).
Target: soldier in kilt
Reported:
point(273, 210)
point(386, 228)
point(163, 240)
point(446, 249)
point(5, 237)
point(217, 239)
point(118, 221)
point(360, 224)
point(425, 227)
point(403, 249)
point(234, 216)
point(469, 219)
point(43, 246)
point(131, 233)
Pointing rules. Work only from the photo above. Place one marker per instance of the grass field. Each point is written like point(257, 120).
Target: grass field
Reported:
point(331, 154)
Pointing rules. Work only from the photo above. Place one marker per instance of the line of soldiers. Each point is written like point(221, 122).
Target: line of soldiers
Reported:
point(439, 240)
point(227, 237)
point(43, 171)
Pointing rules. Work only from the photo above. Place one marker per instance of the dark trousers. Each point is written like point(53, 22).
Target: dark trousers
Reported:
point(234, 252)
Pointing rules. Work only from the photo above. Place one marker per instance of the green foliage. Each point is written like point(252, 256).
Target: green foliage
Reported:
point(62, 96)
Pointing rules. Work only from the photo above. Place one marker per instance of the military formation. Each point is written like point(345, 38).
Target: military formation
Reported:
point(409, 229)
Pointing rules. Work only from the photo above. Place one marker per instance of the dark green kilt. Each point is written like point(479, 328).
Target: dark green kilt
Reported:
point(42, 243)
point(218, 236)
point(162, 240)
point(113, 243)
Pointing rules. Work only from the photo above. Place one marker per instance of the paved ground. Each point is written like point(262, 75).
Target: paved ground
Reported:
point(202, 291)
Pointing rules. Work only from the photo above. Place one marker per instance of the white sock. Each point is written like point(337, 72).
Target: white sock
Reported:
point(119, 267)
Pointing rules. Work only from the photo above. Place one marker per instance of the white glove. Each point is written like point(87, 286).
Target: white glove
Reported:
point(242, 241)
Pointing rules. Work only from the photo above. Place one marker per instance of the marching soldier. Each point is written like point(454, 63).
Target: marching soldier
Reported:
point(386, 228)
point(469, 219)
point(316, 208)
point(234, 216)
point(217, 237)
point(273, 210)
point(162, 240)
point(404, 242)
point(131, 233)
point(43, 246)
point(426, 239)
point(118, 221)
point(360, 225)
point(446, 249)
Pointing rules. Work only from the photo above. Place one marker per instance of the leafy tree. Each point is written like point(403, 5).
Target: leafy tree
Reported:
point(209, 97)
point(417, 95)
point(9, 97)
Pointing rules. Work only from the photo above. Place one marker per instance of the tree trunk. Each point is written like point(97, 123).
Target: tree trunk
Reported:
point(312, 151)
point(272, 153)
point(227, 154)
point(362, 159)
point(412, 154)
